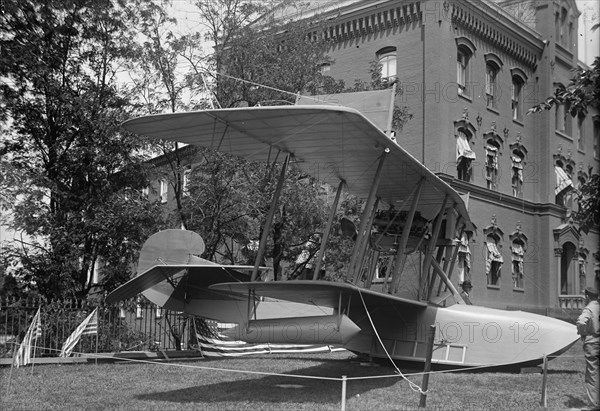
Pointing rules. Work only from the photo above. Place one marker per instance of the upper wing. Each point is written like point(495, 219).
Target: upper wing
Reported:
point(196, 275)
point(320, 293)
point(329, 143)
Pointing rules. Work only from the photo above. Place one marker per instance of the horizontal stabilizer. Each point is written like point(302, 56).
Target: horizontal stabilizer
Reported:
point(211, 272)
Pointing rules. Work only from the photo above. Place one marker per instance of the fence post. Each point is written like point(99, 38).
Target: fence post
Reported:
point(544, 399)
point(344, 392)
point(430, 338)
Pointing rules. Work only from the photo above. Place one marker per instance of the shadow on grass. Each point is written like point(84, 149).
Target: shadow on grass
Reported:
point(282, 389)
point(573, 402)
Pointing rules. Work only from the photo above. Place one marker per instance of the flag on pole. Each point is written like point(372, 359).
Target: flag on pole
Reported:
point(23, 356)
point(87, 326)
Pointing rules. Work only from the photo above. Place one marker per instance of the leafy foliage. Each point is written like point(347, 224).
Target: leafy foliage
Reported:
point(63, 112)
point(582, 92)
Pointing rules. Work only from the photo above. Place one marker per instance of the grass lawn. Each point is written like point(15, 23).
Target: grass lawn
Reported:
point(185, 386)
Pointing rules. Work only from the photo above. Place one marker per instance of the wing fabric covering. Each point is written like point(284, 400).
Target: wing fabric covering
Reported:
point(329, 143)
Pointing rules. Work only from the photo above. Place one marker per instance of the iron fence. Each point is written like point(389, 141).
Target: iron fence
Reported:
point(128, 326)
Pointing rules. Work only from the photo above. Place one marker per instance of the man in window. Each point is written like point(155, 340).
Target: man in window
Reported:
point(465, 293)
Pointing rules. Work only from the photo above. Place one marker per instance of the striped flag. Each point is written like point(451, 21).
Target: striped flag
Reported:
point(23, 356)
point(213, 343)
point(87, 326)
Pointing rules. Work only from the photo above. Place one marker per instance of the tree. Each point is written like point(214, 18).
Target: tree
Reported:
point(62, 111)
point(582, 92)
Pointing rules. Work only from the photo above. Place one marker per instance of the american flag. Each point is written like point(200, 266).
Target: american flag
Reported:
point(23, 356)
point(213, 343)
point(87, 326)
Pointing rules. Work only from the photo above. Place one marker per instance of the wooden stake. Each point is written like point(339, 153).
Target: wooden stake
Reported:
point(343, 392)
point(544, 400)
point(424, 386)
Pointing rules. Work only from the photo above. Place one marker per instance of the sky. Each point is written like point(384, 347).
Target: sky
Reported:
point(589, 42)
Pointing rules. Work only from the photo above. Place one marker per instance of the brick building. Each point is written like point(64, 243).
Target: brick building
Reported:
point(469, 71)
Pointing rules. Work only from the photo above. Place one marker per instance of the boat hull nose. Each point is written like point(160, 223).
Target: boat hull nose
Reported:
point(498, 337)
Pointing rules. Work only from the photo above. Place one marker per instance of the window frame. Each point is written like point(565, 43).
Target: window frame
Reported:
point(464, 169)
point(465, 49)
point(384, 57)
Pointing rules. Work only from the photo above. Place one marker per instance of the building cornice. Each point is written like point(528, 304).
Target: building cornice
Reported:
point(493, 24)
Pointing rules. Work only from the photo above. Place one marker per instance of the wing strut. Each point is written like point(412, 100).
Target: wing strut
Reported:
point(362, 236)
point(325, 238)
point(424, 281)
point(360, 261)
point(401, 252)
point(267, 228)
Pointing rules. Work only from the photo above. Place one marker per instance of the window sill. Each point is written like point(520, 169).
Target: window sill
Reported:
point(465, 97)
point(493, 110)
point(563, 135)
point(518, 290)
point(493, 287)
point(518, 121)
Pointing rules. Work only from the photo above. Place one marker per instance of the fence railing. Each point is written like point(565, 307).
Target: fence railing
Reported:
point(129, 326)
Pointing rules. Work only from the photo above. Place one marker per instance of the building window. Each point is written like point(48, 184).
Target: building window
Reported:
point(564, 185)
point(493, 261)
point(517, 97)
point(185, 181)
point(580, 132)
point(146, 191)
point(325, 69)
point(465, 51)
point(559, 117)
point(518, 251)
point(164, 190)
point(567, 268)
point(563, 119)
point(563, 23)
point(387, 60)
point(491, 74)
point(491, 166)
point(462, 78)
point(464, 155)
point(517, 173)
point(464, 259)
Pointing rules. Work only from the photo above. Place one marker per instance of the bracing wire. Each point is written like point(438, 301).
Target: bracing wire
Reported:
point(413, 386)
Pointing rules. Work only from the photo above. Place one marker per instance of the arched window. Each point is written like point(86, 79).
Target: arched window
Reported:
point(493, 260)
point(462, 71)
point(492, 68)
point(518, 251)
point(517, 157)
point(518, 83)
point(567, 268)
point(464, 154)
point(387, 59)
point(580, 134)
point(465, 50)
point(464, 259)
point(164, 191)
point(491, 164)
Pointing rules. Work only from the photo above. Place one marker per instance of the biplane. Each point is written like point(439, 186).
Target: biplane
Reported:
point(408, 210)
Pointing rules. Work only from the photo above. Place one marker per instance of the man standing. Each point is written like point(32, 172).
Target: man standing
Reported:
point(589, 329)
point(466, 292)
